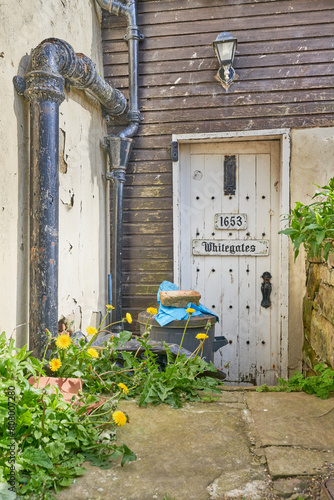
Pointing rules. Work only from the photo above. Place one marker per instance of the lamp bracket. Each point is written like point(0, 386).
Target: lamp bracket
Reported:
point(226, 74)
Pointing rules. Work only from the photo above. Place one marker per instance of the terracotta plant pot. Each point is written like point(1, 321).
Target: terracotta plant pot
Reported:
point(67, 386)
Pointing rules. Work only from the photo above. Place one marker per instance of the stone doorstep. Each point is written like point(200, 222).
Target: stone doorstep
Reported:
point(179, 298)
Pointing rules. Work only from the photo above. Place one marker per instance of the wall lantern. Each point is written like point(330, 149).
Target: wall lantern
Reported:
point(224, 47)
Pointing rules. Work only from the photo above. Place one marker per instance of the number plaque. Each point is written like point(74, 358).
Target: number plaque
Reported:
point(231, 221)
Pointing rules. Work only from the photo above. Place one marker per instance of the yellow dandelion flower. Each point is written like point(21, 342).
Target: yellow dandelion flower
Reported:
point(202, 336)
point(55, 364)
point(91, 330)
point(123, 388)
point(119, 418)
point(109, 307)
point(128, 317)
point(93, 352)
point(63, 341)
point(190, 310)
point(152, 310)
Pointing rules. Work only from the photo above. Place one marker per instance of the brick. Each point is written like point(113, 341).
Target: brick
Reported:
point(179, 298)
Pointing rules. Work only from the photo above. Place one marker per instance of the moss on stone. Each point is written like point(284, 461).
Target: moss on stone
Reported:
point(310, 358)
point(307, 312)
point(313, 280)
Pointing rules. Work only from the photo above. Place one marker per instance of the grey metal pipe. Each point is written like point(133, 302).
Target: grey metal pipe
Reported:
point(56, 57)
point(119, 150)
point(134, 116)
point(119, 147)
point(52, 61)
point(133, 37)
point(44, 221)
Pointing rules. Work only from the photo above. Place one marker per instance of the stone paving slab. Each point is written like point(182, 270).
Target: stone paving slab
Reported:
point(286, 461)
point(218, 450)
point(180, 454)
point(285, 487)
point(294, 419)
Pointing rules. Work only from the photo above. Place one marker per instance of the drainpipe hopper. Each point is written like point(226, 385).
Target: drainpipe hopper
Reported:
point(119, 150)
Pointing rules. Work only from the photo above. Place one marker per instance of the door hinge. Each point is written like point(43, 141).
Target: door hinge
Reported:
point(175, 151)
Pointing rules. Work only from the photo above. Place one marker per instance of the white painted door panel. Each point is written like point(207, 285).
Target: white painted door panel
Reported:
point(230, 285)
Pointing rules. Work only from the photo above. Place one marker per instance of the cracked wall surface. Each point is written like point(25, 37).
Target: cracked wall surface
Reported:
point(311, 163)
point(83, 262)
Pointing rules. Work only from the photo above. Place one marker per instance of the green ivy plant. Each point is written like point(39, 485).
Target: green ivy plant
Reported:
point(313, 225)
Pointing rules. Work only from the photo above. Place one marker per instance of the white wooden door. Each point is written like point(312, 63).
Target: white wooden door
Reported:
point(228, 239)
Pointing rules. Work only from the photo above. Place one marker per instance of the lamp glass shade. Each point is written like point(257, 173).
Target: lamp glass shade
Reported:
point(225, 50)
point(224, 46)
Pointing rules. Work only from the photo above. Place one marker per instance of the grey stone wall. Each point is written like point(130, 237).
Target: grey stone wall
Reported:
point(318, 314)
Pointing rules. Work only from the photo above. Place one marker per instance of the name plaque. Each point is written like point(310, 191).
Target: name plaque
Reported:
point(231, 247)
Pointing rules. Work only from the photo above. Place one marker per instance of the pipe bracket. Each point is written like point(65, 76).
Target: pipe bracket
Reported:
point(134, 116)
point(19, 84)
point(132, 33)
point(118, 174)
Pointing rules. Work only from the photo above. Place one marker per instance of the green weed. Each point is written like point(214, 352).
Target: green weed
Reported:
point(321, 384)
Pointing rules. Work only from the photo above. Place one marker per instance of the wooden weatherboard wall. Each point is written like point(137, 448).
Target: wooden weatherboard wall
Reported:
point(284, 63)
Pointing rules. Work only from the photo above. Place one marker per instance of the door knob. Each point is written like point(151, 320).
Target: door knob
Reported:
point(266, 289)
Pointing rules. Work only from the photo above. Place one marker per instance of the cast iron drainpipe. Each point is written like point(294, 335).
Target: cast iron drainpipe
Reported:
point(52, 61)
point(119, 148)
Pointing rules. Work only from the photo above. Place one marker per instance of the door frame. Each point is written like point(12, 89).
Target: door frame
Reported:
point(284, 136)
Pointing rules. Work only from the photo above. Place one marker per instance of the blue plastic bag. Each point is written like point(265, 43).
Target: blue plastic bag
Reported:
point(168, 314)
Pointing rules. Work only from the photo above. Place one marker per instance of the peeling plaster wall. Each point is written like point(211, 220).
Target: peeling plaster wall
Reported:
point(312, 163)
point(83, 193)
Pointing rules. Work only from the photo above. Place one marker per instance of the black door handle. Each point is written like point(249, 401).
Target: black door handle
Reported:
point(266, 289)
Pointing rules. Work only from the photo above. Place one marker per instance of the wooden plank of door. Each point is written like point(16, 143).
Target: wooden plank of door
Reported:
point(247, 271)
